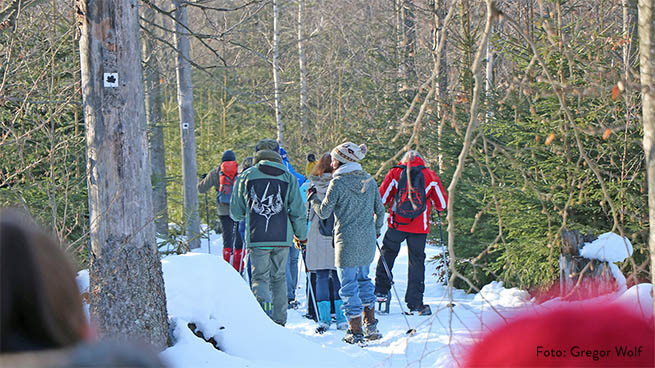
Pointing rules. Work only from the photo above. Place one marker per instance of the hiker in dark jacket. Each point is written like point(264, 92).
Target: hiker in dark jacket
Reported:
point(354, 199)
point(268, 198)
point(222, 178)
point(412, 230)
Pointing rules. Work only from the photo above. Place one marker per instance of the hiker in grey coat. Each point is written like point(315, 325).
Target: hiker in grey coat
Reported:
point(354, 198)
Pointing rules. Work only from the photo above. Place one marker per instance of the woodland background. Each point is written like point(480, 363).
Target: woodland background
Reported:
point(558, 144)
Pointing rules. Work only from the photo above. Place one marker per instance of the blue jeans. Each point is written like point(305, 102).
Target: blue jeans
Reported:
point(323, 285)
point(292, 272)
point(356, 290)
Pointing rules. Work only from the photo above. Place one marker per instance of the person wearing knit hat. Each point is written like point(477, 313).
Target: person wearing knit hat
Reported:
point(353, 197)
point(349, 152)
point(267, 197)
point(222, 178)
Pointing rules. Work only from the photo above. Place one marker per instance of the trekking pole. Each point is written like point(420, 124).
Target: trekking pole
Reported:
point(209, 244)
point(410, 330)
point(443, 248)
point(307, 275)
point(311, 292)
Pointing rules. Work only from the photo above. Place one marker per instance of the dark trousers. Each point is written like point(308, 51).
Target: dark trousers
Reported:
point(325, 279)
point(231, 237)
point(416, 274)
point(332, 292)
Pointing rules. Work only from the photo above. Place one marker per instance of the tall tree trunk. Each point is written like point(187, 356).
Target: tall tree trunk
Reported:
point(441, 95)
point(187, 125)
point(276, 73)
point(408, 47)
point(127, 288)
point(647, 72)
point(304, 121)
point(155, 128)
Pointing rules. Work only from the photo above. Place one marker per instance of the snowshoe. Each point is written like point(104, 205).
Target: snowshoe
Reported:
point(384, 300)
point(423, 310)
point(354, 338)
point(322, 328)
point(293, 304)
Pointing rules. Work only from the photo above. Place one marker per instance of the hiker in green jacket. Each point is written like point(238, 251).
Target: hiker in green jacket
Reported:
point(267, 197)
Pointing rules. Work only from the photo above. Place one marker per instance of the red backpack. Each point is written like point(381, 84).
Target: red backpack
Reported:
point(226, 179)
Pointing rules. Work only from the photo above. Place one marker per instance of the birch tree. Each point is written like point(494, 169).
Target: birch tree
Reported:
point(276, 72)
point(647, 74)
point(126, 284)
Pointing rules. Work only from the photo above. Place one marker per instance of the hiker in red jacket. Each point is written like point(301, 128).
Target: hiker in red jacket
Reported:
point(411, 189)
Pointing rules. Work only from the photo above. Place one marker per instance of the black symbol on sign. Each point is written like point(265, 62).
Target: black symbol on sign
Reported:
point(111, 79)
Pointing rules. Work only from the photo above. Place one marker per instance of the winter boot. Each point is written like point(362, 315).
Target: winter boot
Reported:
point(227, 254)
point(384, 300)
point(371, 324)
point(423, 310)
point(354, 335)
point(342, 322)
point(324, 317)
point(237, 259)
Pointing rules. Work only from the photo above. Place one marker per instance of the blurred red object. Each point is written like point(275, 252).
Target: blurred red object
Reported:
point(569, 335)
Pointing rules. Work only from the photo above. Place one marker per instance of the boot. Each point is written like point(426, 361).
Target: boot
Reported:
point(324, 317)
point(371, 324)
point(227, 254)
point(354, 334)
point(342, 322)
point(237, 259)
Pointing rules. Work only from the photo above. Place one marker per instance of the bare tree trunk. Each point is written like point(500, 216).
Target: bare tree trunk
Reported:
point(440, 33)
point(187, 125)
point(647, 71)
point(408, 46)
point(276, 73)
point(127, 288)
point(304, 122)
point(155, 129)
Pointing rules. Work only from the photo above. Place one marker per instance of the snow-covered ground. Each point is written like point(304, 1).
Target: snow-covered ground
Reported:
point(203, 289)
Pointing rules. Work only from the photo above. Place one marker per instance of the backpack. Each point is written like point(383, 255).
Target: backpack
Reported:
point(410, 201)
point(227, 176)
point(326, 226)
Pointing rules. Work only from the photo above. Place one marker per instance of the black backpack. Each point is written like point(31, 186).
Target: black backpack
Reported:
point(410, 201)
point(326, 226)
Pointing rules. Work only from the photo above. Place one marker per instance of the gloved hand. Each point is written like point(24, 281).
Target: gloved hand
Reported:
point(310, 192)
point(300, 244)
point(203, 176)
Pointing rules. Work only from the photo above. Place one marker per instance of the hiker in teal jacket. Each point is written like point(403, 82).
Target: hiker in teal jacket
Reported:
point(267, 197)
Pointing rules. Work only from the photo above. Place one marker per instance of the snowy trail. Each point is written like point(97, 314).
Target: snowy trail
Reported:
point(250, 339)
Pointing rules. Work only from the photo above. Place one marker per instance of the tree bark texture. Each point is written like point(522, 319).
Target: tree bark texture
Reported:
point(152, 89)
point(276, 72)
point(304, 121)
point(187, 125)
point(408, 45)
point(647, 74)
point(126, 284)
point(440, 35)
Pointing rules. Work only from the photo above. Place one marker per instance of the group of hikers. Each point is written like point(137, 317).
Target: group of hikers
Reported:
point(332, 220)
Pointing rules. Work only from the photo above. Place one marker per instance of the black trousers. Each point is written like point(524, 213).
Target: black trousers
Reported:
point(231, 235)
point(416, 272)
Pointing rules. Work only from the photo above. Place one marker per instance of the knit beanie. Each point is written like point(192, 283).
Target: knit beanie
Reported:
point(267, 144)
point(349, 152)
point(228, 156)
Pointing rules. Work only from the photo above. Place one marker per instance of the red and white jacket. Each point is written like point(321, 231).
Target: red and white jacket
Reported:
point(434, 191)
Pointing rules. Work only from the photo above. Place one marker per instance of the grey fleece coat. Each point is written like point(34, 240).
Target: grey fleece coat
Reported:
point(354, 198)
point(320, 250)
